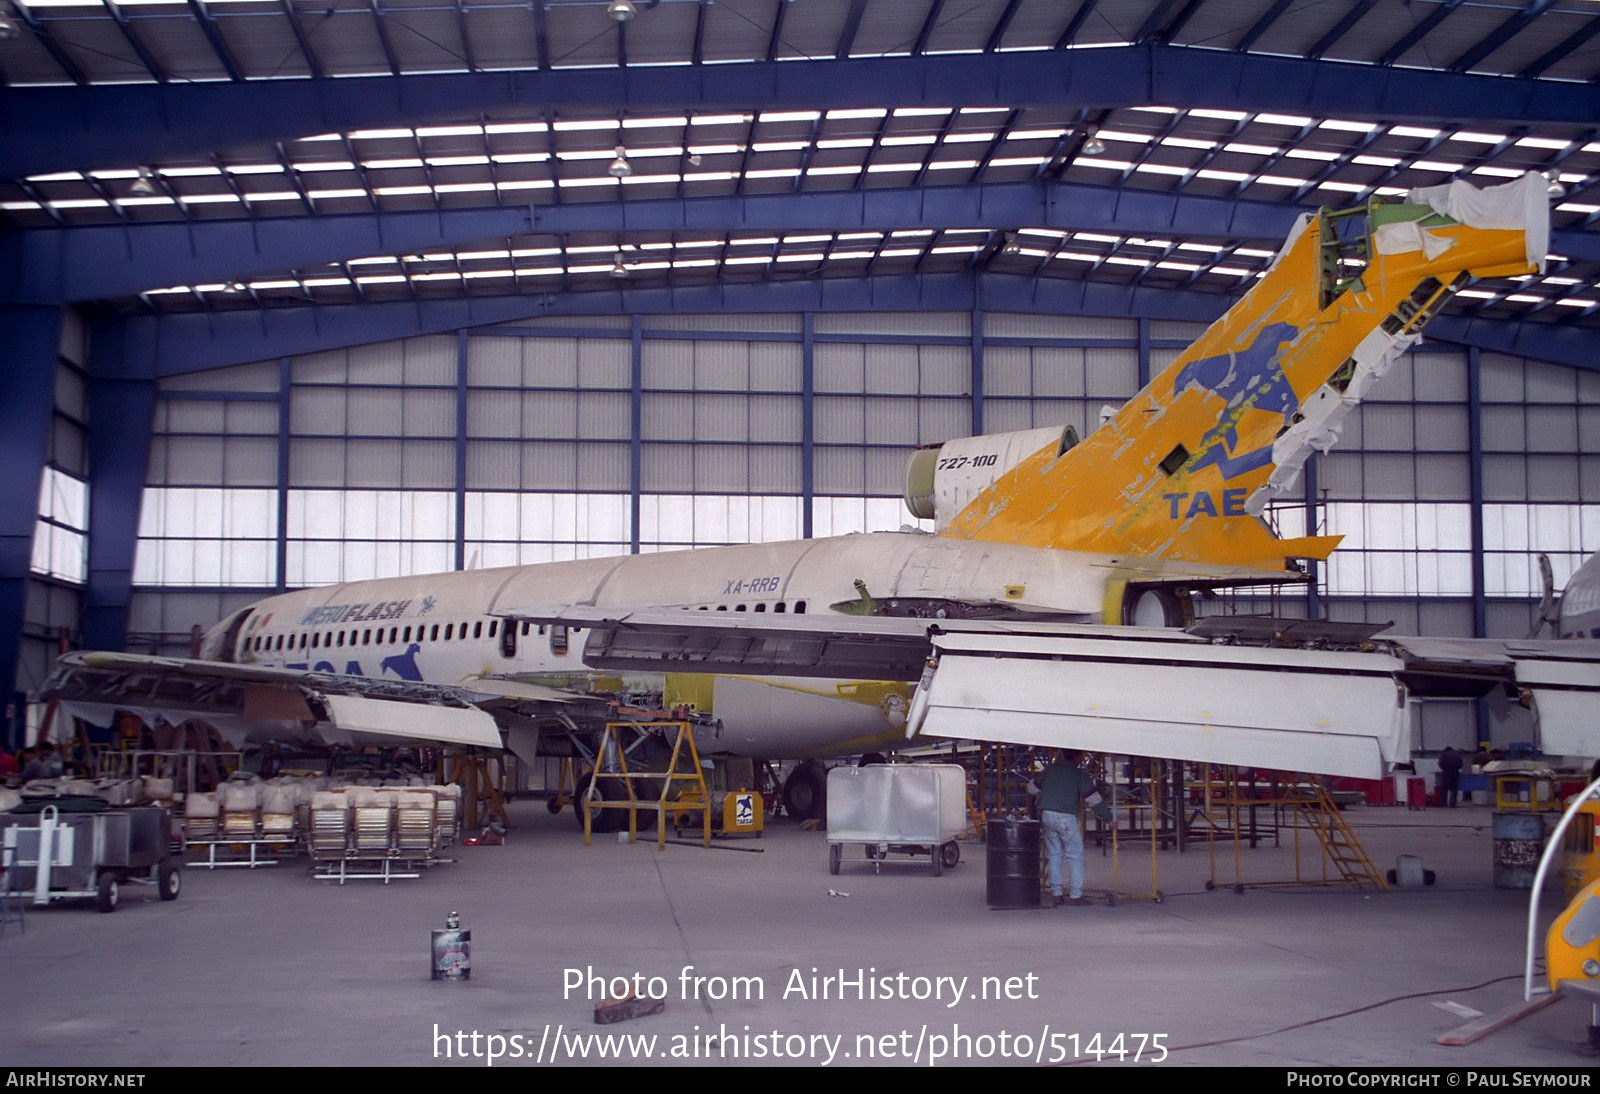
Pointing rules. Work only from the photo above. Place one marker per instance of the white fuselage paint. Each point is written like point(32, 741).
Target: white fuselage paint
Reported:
point(447, 628)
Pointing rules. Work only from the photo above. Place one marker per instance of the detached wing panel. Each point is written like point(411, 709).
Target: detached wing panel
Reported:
point(357, 721)
point(1292, 710)
point(246, 703)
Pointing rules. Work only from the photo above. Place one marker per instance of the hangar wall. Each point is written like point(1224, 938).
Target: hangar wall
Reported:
point(575, 436)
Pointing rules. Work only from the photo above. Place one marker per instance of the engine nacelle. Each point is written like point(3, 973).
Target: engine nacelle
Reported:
point(941, 481)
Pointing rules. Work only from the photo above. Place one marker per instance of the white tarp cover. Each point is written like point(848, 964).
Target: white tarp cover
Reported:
point(1520, 205)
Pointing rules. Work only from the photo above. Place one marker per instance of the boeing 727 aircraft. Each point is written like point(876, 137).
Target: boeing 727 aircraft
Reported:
point(815, 647)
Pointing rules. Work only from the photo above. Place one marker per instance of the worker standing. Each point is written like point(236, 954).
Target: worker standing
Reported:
point(1063, 788)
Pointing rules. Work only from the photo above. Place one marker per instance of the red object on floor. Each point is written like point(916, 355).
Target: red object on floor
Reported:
point(1417, 793)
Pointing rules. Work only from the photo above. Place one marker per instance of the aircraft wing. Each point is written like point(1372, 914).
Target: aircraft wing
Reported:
point(1292, 695)
point(254, 704)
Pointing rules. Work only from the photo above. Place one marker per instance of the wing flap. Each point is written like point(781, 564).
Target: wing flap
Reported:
point(1295, 710)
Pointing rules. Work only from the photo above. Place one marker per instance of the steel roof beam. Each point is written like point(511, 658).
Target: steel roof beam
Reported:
point(1501, 35)
point(79, 264)
point(1418, 32)
point(1340, 29)
point(152, 346)
point(1262, 25)
point(66, 128)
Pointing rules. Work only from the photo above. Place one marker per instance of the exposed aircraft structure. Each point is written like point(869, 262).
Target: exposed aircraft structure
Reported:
point(812, 648)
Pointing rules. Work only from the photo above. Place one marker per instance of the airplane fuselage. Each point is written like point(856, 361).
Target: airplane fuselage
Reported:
point(454, 627)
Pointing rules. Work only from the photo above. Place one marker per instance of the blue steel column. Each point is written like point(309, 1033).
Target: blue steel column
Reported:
point(119, 453)
point(461, 450)
point(636, 432)
point(1144, 352)
point(1313, 567)
point(27, 401)
point(808, 391)
point(285, 392)
point(1480, 604)
point(977, 372)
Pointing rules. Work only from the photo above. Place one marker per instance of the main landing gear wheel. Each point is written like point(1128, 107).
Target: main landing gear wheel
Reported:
point(605, 820)
point(805, 792)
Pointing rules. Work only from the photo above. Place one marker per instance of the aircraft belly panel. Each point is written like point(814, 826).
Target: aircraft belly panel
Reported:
point(776, 718)
point(1285, 709)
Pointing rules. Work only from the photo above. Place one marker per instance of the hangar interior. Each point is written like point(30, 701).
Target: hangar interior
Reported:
point(300, 296)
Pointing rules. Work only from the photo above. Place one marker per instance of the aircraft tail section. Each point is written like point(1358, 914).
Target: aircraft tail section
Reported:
point(1185, 469)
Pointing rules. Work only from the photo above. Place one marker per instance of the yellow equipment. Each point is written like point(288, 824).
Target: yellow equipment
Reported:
point(1572, 945)
point(733, 812)
point(1580, 865)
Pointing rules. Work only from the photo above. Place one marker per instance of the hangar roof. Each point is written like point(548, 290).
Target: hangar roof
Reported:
point(173, 156)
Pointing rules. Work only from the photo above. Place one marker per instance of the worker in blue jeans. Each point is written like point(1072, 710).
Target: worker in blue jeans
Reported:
point(1064, 787)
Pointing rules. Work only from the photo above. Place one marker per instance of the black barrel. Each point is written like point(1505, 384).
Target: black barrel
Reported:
point(1013, 850)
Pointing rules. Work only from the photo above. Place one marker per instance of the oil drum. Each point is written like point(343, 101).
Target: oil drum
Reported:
point(1013, 852)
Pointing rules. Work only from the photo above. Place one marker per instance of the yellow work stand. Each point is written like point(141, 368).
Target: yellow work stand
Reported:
point(682, 748)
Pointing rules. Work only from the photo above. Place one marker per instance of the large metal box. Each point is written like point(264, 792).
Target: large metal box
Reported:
point(897, 803)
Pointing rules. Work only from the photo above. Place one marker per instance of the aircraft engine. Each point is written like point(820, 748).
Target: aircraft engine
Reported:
point(941, 481)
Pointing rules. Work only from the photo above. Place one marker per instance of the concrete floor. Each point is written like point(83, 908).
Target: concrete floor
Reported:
point(270, 967)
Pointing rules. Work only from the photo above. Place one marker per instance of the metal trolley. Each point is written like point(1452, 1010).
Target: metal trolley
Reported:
point(909, 809)
point(61, 855)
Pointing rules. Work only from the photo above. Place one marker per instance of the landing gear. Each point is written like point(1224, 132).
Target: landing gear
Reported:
point(805, 792)
point(606, 789)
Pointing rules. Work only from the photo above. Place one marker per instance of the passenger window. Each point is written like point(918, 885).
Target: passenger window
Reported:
point(449, 631)
point(435, 637)
point(761, 607)
point(779, 606)
point(477, 629)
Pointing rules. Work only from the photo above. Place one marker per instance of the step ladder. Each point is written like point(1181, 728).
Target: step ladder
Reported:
point(1315, 809)
point(1298, 801)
